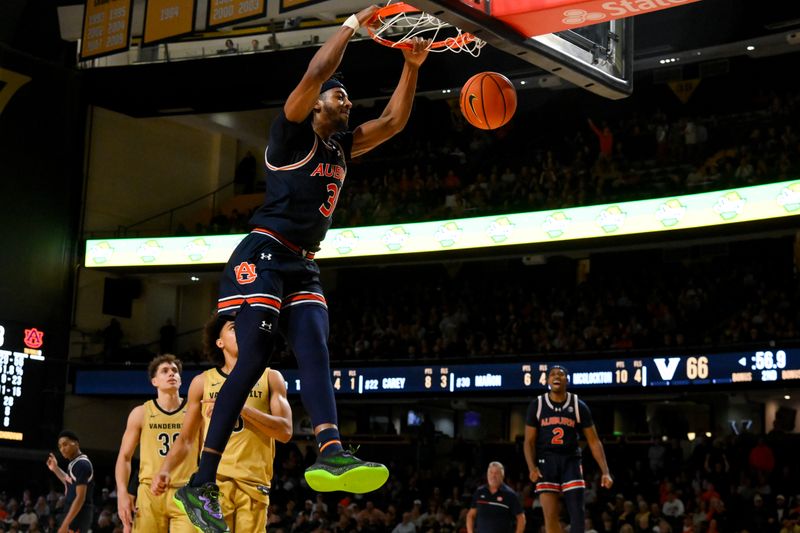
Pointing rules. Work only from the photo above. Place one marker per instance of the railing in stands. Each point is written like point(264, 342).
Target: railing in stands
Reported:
point(169, 229)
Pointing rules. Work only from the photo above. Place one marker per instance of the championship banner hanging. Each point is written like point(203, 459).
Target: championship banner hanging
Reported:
point(106, 27)
point(165, 19)
point(227, 12)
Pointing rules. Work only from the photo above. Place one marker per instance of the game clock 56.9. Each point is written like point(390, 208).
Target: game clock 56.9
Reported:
point(710, 369)
point(21, 367)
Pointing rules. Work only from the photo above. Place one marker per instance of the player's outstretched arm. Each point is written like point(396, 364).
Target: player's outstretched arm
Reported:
point(596, 445)
point(395, 116)
point(122, 471)
point(278, 423)
point(530, 453)
point(322, 66)
point(52, 464)
point(190, 432)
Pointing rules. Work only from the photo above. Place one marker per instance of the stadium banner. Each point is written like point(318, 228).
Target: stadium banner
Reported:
point(703, 210)
point(166, 19)
point(291, 5)
point(227, 12)
point(106, 28)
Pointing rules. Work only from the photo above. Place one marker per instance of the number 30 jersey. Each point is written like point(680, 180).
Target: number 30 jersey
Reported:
point(558, 425)
point(160, 428)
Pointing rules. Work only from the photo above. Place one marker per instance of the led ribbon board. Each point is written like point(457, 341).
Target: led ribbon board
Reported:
point(708, 370)
point(709, 209)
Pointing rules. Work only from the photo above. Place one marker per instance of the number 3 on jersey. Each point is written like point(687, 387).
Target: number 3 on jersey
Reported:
point(558, 436)
point(330, 204)
point(165, 442)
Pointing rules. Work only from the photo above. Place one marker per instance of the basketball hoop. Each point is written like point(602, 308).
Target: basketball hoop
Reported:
point(395, 25)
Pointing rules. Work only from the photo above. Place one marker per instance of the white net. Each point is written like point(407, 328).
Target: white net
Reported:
point(397, 29)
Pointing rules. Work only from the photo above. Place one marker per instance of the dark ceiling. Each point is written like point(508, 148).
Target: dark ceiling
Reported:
point(260, 80)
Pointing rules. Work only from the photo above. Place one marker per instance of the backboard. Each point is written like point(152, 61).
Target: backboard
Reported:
point(597, 57)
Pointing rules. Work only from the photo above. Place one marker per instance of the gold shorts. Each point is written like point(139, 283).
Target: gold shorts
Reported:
point(244, 506)
point(159, 514)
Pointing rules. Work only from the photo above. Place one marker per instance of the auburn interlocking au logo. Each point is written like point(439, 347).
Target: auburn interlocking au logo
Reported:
point(245, 273)
point(33, 338)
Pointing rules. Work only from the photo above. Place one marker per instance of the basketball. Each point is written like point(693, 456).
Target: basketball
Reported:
point(488, 100)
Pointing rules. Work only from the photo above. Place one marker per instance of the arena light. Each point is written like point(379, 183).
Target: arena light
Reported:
point(708, 209)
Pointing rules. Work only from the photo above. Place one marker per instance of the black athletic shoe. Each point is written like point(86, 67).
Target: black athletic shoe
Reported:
point(201, 505)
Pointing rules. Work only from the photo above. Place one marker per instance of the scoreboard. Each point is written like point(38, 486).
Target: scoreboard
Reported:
point(709, 370)
point(22, 371)
point(700, 370)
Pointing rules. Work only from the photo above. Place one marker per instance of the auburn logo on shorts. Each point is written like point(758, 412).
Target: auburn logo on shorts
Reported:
point(245, 273)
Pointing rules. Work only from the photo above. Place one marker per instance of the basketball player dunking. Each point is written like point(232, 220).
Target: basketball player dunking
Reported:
point(272, 272)
point(552, 452)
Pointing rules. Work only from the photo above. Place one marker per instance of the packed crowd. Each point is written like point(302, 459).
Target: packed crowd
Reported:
point(728, 295)
point(634, 300)
point(433, 172)
point(731, 484)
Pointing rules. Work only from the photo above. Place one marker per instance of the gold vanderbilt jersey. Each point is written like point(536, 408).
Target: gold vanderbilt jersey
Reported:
point(248, 455)
point(160, 428)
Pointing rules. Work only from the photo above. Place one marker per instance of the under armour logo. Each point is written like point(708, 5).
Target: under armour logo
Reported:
point(268, 257)
point(265, 326)
point(579, 16)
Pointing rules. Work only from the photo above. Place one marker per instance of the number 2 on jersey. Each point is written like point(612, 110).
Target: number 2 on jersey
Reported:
point(558, 436)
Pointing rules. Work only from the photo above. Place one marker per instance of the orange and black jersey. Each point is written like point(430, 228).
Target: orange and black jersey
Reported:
point(305, 175)
point(558, 424)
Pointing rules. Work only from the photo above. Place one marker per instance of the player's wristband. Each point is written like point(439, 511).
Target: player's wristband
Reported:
point(352, 23)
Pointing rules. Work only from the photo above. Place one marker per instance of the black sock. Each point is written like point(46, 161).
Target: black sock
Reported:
point(255, 347)
point(209, 461)
point(329, 442)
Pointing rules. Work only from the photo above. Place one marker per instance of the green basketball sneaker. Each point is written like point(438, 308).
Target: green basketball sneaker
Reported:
point(201, 505)
point(346, 472)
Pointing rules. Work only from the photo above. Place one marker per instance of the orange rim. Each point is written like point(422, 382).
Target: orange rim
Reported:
point(453, 43)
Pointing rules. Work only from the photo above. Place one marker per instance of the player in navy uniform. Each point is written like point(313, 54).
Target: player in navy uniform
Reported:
point(495, 507)
point(78, 481)
point(272, 274)
point(552, 452)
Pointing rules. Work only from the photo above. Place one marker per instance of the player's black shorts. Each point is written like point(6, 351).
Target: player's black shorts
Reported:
point(269, 273)
point(560, 473)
